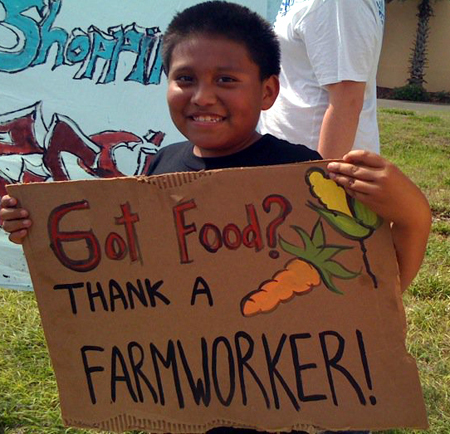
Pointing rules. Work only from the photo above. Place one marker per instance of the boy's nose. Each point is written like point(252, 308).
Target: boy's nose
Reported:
point(204, 95)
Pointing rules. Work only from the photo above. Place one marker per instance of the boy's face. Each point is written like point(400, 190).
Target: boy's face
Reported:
point(215, 94)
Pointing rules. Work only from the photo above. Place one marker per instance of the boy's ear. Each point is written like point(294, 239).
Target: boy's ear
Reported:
point(271, 88)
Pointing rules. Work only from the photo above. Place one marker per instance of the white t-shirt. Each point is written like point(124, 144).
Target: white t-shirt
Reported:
point(324, 42)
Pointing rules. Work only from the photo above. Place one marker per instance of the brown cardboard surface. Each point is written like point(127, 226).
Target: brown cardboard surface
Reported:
point(150, 289)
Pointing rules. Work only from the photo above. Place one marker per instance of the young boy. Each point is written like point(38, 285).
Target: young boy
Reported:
point(222, 63)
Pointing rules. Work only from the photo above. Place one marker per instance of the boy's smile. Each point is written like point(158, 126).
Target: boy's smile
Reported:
point(215, 94)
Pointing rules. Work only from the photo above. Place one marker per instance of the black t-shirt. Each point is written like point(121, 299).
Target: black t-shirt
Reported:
point(267, 151)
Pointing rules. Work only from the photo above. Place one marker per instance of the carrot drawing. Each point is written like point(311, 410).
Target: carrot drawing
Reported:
point(313, 264)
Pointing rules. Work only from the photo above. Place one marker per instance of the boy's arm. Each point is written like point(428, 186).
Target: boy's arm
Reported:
point(386, 190)
point(15, 220)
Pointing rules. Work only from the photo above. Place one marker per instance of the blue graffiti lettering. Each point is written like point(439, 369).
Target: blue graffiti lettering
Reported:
point(128, 39)
point(26, 32)
point(50, 36)
point(102, 48)
point(35, 39)
point(78, 47)
point(157, 66)
point(145, 44)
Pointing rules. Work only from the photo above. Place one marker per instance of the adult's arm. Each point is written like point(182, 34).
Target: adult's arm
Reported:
point(341, 118)
point(342, 40)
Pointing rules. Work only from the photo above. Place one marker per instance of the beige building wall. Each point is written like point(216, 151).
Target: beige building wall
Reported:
point(401, 23)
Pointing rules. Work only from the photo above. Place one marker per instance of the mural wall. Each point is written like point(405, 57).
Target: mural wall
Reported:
point(82, 94)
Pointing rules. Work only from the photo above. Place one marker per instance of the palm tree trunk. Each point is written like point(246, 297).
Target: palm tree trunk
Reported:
point(418, 60)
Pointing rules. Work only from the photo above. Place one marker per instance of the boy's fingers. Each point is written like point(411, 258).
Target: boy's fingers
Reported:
point(365, 158)
point(354, 186)
point(350, 170)
point(18, 237)
point(7, 214)
point(8, 201)
point(12, 226)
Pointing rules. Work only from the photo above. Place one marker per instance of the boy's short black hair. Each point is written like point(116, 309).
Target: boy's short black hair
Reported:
point(229, 20)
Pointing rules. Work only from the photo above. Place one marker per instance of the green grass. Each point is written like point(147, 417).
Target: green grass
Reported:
point(29, 402)
point(420, 144)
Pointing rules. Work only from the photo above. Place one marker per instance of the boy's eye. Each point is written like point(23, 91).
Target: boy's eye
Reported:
point(184, 78)
point(227, 79)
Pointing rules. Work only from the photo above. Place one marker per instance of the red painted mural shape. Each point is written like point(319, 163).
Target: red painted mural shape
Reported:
point(31, 152)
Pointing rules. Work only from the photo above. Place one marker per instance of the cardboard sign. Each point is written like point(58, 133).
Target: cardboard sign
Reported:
point(258, 297)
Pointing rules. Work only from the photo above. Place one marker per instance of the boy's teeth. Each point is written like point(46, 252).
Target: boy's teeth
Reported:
point(207, 119)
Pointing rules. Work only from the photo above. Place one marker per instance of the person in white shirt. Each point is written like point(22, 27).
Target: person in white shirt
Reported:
point(329, 58)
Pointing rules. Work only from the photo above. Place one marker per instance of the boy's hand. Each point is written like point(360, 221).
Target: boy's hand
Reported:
point(379, 184)
point(15, 220)
point(392, 195)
